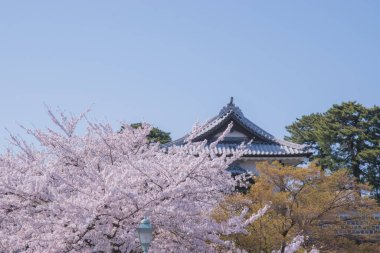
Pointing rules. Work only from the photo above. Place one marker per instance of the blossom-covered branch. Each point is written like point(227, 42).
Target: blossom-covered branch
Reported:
point(88, 193)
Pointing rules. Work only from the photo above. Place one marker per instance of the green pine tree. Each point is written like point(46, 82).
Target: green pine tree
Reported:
point(155, 135)
point(346, 136)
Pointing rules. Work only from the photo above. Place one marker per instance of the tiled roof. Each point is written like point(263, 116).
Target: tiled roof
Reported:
point(270, 146)
point(259, 149)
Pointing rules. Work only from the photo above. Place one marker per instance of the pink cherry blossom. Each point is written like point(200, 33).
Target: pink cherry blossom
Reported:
point(87, 193)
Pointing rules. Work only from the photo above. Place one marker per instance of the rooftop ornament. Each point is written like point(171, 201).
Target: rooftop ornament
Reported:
point(231, 103)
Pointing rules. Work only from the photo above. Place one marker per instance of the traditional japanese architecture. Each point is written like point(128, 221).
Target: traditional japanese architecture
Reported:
point(263, 146)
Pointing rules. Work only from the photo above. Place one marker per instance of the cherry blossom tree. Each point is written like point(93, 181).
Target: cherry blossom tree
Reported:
point(87, 193)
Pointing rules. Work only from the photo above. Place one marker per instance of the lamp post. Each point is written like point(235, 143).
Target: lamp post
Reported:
point(145, 232)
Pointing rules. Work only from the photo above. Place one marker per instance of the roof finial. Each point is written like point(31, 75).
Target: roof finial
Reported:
point(231, 101)
point(230, 107)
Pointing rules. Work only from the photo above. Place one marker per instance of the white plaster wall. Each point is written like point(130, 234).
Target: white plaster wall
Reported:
point(233, 134)
point(249, 166)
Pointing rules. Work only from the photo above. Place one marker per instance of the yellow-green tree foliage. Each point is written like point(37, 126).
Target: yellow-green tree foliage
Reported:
point(303, 201)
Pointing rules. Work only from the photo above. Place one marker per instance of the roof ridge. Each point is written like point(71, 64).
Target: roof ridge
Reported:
point(230, 107)
point(256, 128)
point(290, 144)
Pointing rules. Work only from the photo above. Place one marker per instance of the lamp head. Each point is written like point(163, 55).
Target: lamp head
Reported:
point(145, 232)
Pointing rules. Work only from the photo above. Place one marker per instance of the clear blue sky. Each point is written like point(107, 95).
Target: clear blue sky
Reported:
point(172, 63)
